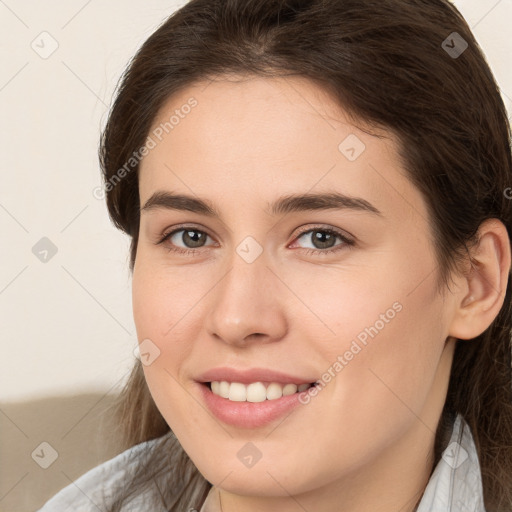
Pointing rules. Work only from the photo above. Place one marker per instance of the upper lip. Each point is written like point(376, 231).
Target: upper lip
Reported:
point(250, 375)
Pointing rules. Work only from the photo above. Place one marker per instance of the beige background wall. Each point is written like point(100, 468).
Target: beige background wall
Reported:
point(66, 323)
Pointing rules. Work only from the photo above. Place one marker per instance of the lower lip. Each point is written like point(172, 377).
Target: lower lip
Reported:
point(248, 414)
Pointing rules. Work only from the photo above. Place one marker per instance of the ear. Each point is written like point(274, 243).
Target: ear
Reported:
point(484, 285)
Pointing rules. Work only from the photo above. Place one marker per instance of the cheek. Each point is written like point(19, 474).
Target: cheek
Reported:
point(163, 299)
point(160, 316)
point(381, 330)
point(390, 345)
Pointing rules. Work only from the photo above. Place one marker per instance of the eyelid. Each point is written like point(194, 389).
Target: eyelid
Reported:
point(326, 227)
point(180, 227)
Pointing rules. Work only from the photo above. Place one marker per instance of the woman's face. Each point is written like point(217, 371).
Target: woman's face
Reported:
point(338, 290)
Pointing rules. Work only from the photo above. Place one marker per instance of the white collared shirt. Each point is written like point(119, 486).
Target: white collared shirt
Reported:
point(454, 486)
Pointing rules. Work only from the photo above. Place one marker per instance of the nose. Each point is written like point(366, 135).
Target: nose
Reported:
point(247, 306)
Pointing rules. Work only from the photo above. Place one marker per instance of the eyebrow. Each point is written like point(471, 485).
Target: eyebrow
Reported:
point(283, 205)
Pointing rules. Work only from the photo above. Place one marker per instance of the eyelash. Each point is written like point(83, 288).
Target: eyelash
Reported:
point(347, 243)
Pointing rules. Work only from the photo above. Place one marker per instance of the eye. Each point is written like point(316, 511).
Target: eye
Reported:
point(191, 237)
point(323, 240)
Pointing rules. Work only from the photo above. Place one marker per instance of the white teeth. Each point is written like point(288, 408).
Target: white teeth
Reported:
point(237, 392)
point(289, 389)
point(274, 391)
point(224, 389)
point(254, 392)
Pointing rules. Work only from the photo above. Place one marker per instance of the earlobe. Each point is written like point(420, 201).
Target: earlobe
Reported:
point(485, 282)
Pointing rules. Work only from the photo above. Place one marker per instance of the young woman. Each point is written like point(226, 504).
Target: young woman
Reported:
point(318, 198)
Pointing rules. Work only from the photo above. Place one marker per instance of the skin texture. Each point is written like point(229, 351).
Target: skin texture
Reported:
point(366, 440)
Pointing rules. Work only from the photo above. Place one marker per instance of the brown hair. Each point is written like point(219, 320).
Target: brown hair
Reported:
point(386, 64)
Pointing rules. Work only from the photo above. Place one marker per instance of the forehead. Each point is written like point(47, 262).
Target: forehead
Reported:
point(261, 137)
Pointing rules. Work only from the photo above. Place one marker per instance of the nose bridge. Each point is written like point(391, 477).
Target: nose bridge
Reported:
point(246, 300)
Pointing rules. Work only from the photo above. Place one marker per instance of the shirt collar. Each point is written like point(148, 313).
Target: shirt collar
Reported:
point(454, 486)
point(212, 502)
point(456, 483)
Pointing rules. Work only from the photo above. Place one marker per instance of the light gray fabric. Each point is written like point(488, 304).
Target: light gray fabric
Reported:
point(92, 490)
point(455, 484)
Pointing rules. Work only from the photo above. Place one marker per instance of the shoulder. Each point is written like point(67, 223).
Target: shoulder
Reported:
point(91, 491)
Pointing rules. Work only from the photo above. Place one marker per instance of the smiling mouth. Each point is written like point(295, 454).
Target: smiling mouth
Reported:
point(255, 391)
